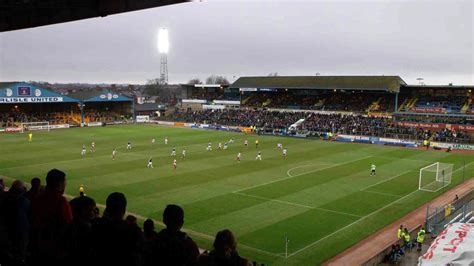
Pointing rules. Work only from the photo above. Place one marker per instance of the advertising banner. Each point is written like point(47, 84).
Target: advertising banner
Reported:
point(227, 102)
point(454, 246)
point(31, 99)
point(143, 118)
point(94, 124)
point(432, 126)
point(194, 101)
point(13, 129)
point(213, 106)
point(428, 109)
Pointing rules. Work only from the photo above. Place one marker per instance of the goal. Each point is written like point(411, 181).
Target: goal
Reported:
point(435, 176)
point(33, 126)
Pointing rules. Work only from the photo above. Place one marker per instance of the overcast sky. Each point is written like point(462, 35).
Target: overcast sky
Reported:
point(412, 38)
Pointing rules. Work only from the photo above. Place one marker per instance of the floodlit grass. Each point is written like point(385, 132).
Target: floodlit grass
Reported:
point(321, 197)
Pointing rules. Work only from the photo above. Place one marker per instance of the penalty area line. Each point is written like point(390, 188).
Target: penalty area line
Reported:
point(362, 218)
point(297, 204)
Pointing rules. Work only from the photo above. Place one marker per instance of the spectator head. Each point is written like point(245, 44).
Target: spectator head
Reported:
point(225, 243)
point(131, 220)
point(83, 208)
point(173, 217)
point(115, 205)
point(148, 225)
point(56, 181)
point(18, 187)
point(35, 184)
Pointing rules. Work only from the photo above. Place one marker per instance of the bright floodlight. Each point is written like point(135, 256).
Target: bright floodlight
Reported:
point(163, 44)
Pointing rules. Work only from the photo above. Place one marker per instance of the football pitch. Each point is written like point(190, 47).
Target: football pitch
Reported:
point(321, 197)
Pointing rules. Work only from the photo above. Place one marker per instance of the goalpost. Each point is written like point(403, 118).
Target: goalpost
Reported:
point(33, 126)
point(435, 176)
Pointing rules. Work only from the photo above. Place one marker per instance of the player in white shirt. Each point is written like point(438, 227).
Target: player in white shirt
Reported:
point(114, 153)
point(231, 140)
point(219, 146)
point(209, 147)
point(166, 140)
point(225, 146)
point(173, 152)
point(246, 143)
point(280, 146)
point(259, 156)
point(372, 170)
point(284, 153)
point(175, 164)
point(83, 152)
point(129, 145)
point(150, 163)
point(93, 147)
point(184, 153)
point(153, 141)
point(239, 156)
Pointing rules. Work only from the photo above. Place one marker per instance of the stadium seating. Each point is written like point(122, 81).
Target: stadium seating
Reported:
point(316, 123)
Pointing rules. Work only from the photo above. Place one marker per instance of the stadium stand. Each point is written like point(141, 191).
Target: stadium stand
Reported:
point(318, 124)
point(22, 102)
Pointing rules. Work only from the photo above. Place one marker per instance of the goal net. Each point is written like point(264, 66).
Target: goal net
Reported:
point(435, 176)
point(34, 126)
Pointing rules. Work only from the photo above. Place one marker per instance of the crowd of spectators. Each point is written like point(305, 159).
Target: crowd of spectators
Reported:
point(13, 119)
point(353, 101)
point(360, 125)
point(338, 101)
point(10, 119)
point(313, 122)
point(41, 227)
point(239, 117)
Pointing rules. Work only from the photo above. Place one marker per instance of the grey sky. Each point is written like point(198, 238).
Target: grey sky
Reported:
point(429, 39)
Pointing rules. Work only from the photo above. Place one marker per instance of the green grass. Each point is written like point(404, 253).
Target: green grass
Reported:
point(321, 196)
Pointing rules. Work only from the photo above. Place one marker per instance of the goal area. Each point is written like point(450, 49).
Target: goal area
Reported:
point(35, 126)
point(435, 176)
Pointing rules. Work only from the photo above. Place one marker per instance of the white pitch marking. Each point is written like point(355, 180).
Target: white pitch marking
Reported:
point(385, 180)
point(285, 178)
point(288, 173)
point(296, 204)
point(381, 193)
point(362, 218)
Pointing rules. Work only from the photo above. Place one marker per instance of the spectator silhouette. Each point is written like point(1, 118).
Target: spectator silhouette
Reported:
point(79, 232)
point(2, 186)
point(51, 217)
point(35, 189)
point(173, 247)
point(16, 211)
point(114, 241)
point(150, 235)
point(224, 253)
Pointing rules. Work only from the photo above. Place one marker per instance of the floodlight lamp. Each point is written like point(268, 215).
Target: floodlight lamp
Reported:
point(163, 42)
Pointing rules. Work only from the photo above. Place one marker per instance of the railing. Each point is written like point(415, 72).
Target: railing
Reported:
point(438, 217)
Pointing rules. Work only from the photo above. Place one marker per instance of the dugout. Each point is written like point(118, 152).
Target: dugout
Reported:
point(387, 87)
point(19, 100)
